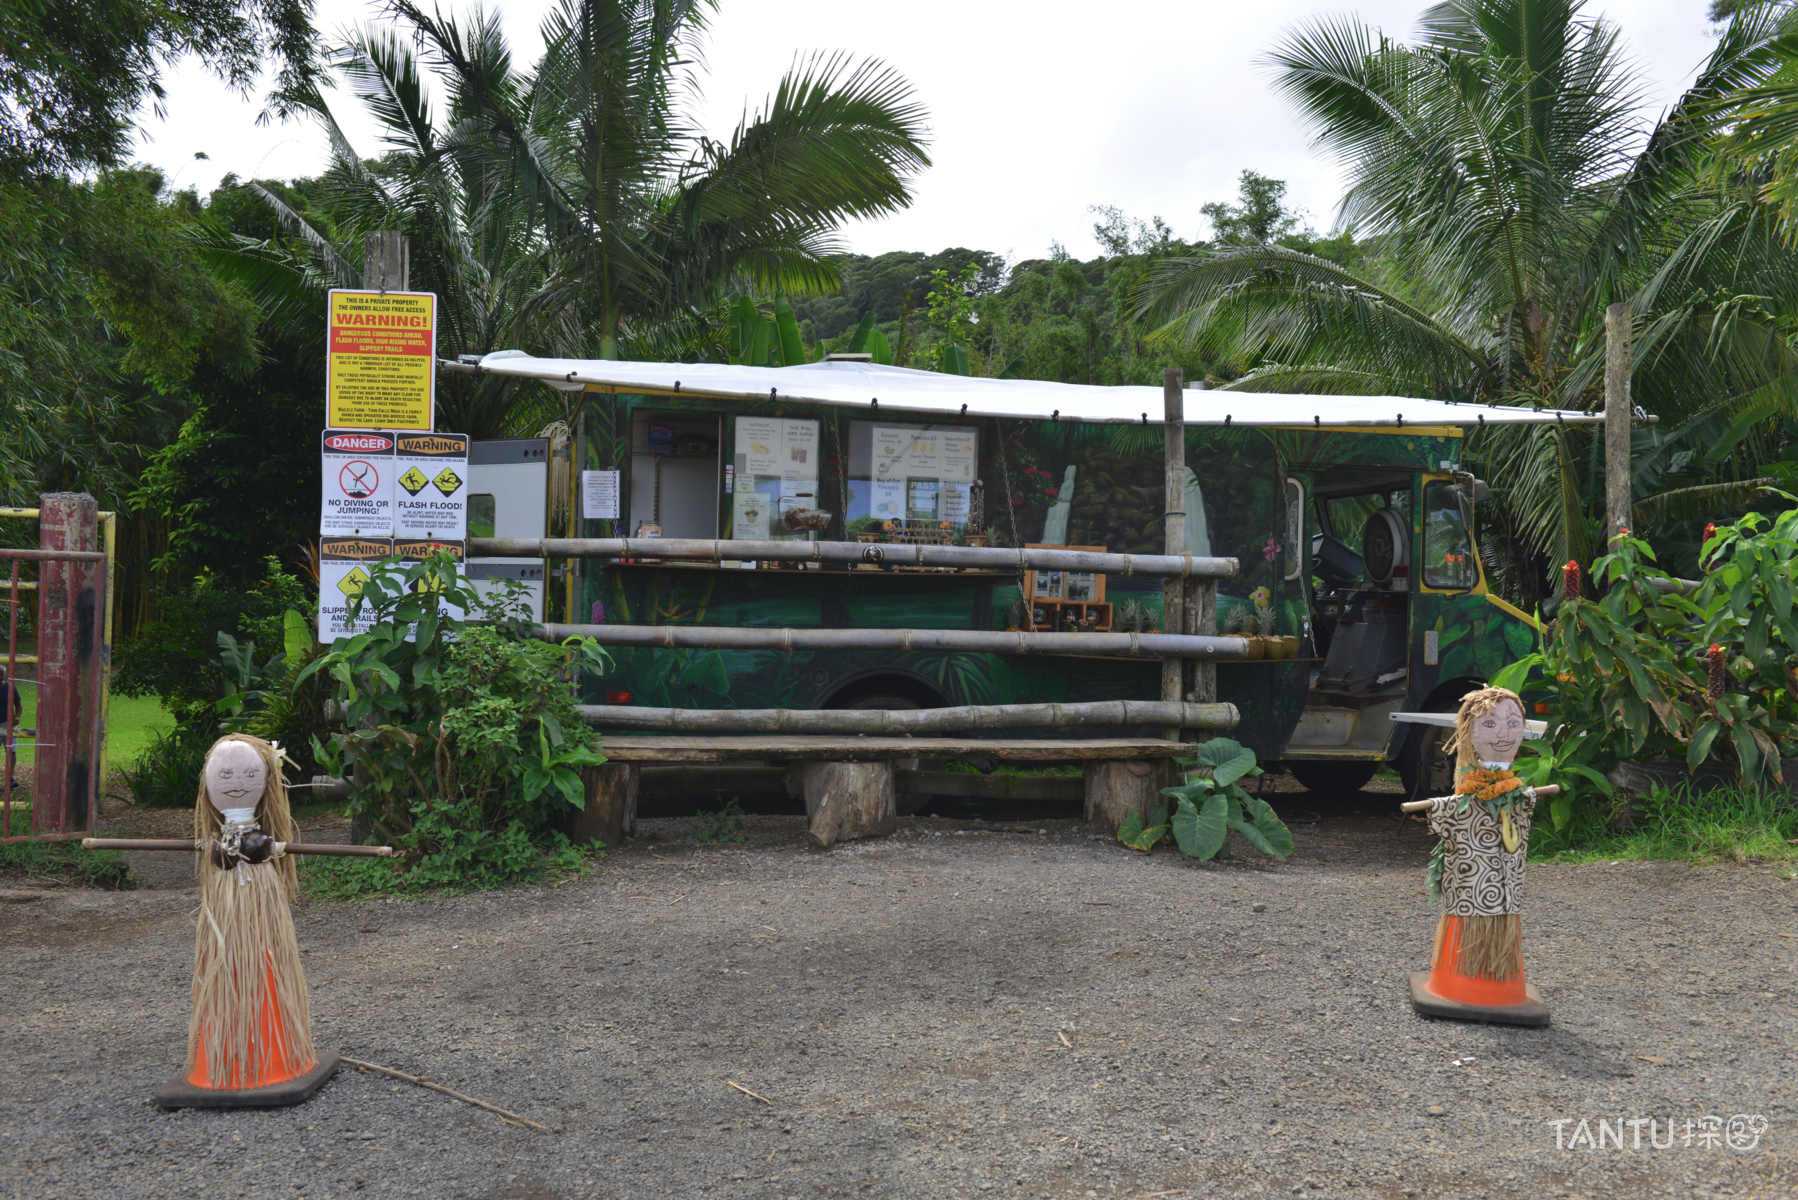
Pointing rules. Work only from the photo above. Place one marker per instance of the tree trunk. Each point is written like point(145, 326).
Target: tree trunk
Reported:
point(1616, 420)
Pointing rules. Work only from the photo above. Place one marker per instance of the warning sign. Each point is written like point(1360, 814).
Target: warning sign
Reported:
point(345, 564)
point(432, 501)
point(381, 360)
point(358, 495)
point(413, 551)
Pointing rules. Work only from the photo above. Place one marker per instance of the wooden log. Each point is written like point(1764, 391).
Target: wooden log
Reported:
point(1173, 592)
point(847, 800)
point(904, 641)
point(1617, 368)
point(909, 722)
point(1177, 565)
point(878, 749)
point(191, 846)
point(386, 261)
point(1546, 790)
point(1115, 788)
point(1062, 788)
point(610, 796)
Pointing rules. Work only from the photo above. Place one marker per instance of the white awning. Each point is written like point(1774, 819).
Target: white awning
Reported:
point(860, 385)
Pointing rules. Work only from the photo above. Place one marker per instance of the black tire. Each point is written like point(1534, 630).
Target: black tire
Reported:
point(1333, 778)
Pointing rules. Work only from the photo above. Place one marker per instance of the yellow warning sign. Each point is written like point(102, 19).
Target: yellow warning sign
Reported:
point(413, 480)
point(447, 482)
point(381, 360)
point(351, 584)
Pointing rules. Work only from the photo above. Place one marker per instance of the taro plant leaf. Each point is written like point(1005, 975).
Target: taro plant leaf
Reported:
point(1228, 760)
point(1200, 830)
point(1130, 830)
point(1262, 827)
point(1560, 809)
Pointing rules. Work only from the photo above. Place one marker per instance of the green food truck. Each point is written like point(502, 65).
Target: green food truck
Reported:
point(1350, 517)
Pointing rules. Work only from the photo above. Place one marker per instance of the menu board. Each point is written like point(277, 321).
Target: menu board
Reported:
point(920, 473)
point(776, 469)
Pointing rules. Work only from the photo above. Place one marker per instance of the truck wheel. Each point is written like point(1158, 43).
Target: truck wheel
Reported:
point(1422, 766)
point(1333, 778)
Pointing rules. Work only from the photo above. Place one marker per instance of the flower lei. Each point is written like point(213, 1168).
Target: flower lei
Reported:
point(1487, 784)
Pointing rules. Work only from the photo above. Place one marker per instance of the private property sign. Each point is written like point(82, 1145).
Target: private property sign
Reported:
point(381, 361)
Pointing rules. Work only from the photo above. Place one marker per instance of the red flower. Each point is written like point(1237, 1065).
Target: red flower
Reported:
point(1051, 493)
point(1570, 581)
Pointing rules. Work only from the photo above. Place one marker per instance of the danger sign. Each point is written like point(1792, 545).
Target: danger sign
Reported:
point(432, 501)
point(381, 360)
point(358, 474)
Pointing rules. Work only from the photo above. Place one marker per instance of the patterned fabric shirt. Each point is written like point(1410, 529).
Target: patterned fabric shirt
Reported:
point(1480, 878)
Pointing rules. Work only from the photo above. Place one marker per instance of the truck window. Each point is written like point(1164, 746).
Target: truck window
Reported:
point(911, 475)
point(1447, 546)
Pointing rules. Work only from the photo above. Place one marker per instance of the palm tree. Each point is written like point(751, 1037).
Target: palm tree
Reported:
point(1490, 169)
point(571, 210)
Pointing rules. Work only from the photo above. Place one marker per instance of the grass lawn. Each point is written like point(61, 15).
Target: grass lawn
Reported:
point(130, 722)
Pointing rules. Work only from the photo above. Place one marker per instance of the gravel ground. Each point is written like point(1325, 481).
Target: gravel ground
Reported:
point(959, 1010)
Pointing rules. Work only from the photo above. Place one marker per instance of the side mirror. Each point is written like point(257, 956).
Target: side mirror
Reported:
point(1480, 491)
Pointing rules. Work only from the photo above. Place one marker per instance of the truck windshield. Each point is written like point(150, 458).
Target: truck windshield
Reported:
point(1448, 561)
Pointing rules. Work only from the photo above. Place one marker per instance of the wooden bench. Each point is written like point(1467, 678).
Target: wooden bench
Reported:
point(848, 783)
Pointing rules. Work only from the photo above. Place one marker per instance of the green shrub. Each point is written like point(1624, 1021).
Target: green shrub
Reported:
point(1626, 673)
point(1209, 806)
point(65, 862)
point(463, 741)
point(167, 773)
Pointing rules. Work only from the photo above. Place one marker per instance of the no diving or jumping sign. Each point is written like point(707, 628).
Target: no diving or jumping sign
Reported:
point(358, 478)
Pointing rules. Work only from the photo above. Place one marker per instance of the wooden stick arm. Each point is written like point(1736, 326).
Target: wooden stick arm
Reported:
point(1547, 789)
point(190, 845)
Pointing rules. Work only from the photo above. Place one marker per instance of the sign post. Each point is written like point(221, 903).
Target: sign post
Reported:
point(381, 361)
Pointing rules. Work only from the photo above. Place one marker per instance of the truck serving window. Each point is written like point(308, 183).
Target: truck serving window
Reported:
point(774, 480)
point(1447, 546)
point(913, 474)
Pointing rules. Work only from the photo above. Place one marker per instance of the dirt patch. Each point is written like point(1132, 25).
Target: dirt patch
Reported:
point(952, 1011)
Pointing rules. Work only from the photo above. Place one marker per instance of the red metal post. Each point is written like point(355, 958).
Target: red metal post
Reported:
point(69, 635)
point(12, 710)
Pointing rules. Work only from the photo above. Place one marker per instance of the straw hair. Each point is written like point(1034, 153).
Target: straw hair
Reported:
point(252, 1023)
point(1475, 705)
point(272, 812)
point(1489, 947)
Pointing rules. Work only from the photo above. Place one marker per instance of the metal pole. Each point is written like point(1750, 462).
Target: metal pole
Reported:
point(1616, 420)
point(12, 708)
point(1173, 592)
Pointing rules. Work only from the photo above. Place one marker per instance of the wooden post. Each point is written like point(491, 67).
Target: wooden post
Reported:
point(610, 814)
point(1116, 788)
point(386, 261)
point(1616, 420)
point(1173, 591)
point(69, 629)
point(847, 800)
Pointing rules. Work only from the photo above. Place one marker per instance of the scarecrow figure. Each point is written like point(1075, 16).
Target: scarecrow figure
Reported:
point(1476, 968)
point(250, 1039)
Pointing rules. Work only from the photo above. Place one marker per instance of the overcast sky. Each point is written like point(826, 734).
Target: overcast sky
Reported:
point(1037, 110)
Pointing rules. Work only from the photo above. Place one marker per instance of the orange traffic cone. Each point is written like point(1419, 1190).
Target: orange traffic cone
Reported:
point(249, 1043)
point(1462, 986)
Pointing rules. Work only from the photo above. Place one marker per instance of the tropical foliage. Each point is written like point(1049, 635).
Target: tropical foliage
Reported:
point(570, 209)
point(462, 739)
point(1648, 671)
point(1209, 805)
point(1491, 171)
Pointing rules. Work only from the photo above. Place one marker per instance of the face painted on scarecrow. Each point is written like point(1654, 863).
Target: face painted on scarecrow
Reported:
point(1497, 733)
point(235, 776)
